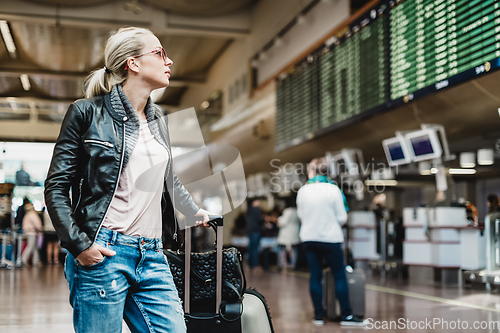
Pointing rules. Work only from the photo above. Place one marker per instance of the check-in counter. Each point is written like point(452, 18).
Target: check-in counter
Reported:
point(417, 249)
point(472, 248)
point(363, 235)
point(440, 238)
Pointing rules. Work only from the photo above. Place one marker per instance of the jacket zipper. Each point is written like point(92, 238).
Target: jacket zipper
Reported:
point(116, 186)
point(173, 198)
point(104, 143)
point(79, 195)
point(170, 164)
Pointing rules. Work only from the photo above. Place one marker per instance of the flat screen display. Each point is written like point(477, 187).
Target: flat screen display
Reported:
point(396, 151)
point(422, 145)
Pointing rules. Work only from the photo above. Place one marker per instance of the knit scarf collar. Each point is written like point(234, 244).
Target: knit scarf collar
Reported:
point(324, 179)
point(320, 179)
point(122, 105)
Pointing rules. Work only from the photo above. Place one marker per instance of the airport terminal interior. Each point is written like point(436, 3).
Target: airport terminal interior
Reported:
point(398, 99)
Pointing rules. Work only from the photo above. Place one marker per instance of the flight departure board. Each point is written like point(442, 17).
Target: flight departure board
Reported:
point(432, 40)
point(353, 73)
point(297, 100)
point(396, 51)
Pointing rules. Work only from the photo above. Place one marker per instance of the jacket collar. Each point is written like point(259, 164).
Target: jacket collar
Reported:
point(111, 111)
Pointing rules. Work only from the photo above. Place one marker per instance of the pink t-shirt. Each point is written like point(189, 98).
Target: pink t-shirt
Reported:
point(135, 209)
point(32, 224)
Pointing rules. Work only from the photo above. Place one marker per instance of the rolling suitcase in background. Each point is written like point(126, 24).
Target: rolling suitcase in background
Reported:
point(356, 280)
point(249, 315)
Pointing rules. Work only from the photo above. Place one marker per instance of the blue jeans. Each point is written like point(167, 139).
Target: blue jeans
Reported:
point(253, 249)
point(283, 253)
point(135, 284)
point(315, 253)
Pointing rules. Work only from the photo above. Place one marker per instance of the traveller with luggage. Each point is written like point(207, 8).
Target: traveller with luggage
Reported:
point(321, 209)
point(114, 153)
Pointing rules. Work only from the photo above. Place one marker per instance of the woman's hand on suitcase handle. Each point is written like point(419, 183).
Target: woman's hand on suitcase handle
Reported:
point(202, 213)
point(94, 255)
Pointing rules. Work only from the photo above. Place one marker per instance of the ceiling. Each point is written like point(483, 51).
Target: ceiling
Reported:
point(182, 7)
point(58, 42)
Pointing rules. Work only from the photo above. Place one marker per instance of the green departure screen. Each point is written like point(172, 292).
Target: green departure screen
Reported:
point(434, 40)
point(396, 51)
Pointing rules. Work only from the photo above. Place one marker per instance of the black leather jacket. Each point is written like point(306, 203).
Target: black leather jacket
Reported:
point(88, 158)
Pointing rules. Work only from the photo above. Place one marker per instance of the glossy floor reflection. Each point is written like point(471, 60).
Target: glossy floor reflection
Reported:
point(36, 300)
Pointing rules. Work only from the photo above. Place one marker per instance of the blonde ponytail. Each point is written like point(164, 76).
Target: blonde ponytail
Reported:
point(126, 43)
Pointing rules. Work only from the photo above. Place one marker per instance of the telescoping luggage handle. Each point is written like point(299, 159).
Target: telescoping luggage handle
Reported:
point(215, 221)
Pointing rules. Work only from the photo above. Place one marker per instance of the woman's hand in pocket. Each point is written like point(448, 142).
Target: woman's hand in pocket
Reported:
point(94, 255)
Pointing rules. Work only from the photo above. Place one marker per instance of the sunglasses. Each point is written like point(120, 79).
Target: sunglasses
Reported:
point(161, 52)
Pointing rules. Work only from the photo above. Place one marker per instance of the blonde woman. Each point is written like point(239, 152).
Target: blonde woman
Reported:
point(114, 154)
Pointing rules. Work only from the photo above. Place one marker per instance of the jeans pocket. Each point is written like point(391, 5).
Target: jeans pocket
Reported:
point(94, 266)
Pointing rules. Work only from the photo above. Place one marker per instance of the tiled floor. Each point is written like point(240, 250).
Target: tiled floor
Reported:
point(36, 300)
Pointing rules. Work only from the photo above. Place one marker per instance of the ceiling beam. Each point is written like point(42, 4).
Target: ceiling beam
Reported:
point(183, 81)
point(113, 15)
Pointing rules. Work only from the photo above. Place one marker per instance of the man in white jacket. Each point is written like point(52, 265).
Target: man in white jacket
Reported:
point(322, 210)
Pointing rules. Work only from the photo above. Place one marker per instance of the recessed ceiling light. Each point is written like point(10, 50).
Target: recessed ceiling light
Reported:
point(485, 156)
point(467, 160)
point(7, 39)
point(25, 81)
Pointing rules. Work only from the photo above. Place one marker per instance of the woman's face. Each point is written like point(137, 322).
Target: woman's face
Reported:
point(153, 68)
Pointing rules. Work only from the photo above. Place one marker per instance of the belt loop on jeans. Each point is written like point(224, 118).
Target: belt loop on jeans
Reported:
point(114, 235)
point(158, 244)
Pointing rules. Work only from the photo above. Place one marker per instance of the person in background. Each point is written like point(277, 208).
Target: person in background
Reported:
point(32, 227)
point(50, 237)
point(493, 208)
point(22, 177)
point(471, 210)
point(322, 211)
point(492, 203)
point(288, 235)
point(268, 239)
point(255, 222)
point(20, 212)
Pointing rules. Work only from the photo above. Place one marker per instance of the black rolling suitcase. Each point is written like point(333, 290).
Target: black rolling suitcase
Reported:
point(249, 315)
point(356, 280)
